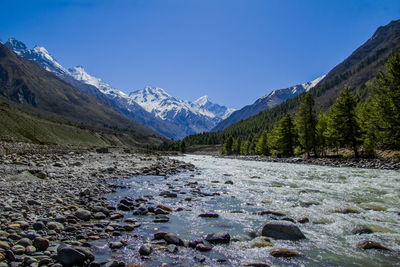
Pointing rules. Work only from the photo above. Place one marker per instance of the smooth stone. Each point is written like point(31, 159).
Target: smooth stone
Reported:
point(38, 226)
point(285, 253)
point(271, 212)
point(69, 257)
point(303, 220)
point(83, 214)
point(116, 245)
point(18, 249)
point(29, 250)
point(166, 208)
point(4, 245)
point(282, 230)
point(171, 238)
point(255, 264)
point(41, 243)
point(229, 182)
point(99, 216)
point(145, 250)
point(218, 238)
point(371, 245)
point(24, 242)
point(203, 248)
point(159, 235)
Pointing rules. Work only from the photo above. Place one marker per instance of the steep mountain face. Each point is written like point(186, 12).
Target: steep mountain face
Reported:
point(184, 117)
point(26, 85)
point(266, 102)
point(193, 117)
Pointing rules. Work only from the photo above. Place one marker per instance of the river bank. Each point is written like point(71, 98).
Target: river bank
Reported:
point(365, 163)
point(55, 195)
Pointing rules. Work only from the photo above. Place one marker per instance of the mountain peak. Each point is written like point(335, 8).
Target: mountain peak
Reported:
point(201, 101)
point(17, 46)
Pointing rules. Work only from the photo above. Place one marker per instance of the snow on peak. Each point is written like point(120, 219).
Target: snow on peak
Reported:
point(307, 86)
point(80, 74)
point(201, 101)
point(18, 47)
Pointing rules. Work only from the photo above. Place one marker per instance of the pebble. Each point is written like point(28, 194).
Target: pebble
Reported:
point(145, 250)
point(282, 230)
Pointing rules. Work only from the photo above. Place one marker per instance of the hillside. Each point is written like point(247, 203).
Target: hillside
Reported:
point(360, 67)
point(29, 87)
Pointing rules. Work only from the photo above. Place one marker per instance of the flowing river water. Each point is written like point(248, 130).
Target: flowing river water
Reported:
point(322, 194)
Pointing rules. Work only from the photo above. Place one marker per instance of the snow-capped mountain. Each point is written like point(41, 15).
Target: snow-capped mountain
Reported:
point(152, 107)
point(266, 102)
point(194, 117)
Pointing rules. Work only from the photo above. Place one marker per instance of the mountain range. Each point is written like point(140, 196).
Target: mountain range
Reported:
point(30, 93)
point(152, 107)
point(266, 102)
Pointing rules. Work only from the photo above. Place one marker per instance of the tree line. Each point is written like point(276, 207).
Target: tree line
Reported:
point(352, 124)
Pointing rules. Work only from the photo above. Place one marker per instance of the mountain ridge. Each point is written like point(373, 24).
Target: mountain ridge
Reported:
point(266, 102)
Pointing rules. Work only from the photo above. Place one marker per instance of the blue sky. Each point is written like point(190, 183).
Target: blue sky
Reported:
point(234, 51)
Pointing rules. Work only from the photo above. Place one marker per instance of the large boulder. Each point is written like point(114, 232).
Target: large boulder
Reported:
point(68, 256)
point(282, 230)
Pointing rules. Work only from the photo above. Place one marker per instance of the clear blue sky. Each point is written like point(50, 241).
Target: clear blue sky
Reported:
point(235, 51)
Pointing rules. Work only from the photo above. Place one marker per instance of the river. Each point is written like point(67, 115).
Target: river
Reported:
point(322, 194)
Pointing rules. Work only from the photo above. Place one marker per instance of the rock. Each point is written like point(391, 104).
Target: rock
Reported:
point(282, 230)
point(348, 210)
point(115, 245)
point(145, 250)
point(18, 250)
point(141, 211)
point(209, 215)
point(229, 182)
point(159, 235)
point(33, 202)
point(4, 245)
point(56, 226)
point(166, 208)
point(171, 238)
point(123, 207)
point(37, 226)
point(361, 230)
point(41, 243)
point(68, 256)
point(285, 253)
point(218, 238)
point(102, 150)
point(303, 220)
point(29, 250)
point(271, 212)
point(172, 248)
point(168, 194)
point(203, 248)
point(260, 242)
point(83, 214)
point(99, 216)
point(371, 245)
point(24, 242)
point(160, 211)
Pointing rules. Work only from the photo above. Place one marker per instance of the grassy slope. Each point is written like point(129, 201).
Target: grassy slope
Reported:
point(16, 125)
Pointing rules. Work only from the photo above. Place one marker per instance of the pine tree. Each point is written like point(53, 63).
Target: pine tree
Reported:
point(237, 142)
point(306, 124)
point(228, 145)
point(387, 101)
point(183, 146)
point(342, 123)
point(321, 131)
point(262, 148)
point(368, 122)
point(286, 137)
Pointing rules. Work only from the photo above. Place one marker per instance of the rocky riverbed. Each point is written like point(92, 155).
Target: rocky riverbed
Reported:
point(52, 202)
